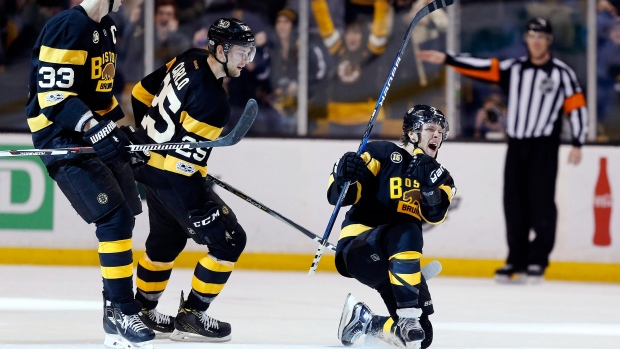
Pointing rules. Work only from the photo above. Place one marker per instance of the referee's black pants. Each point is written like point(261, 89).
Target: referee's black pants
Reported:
point(529, 191)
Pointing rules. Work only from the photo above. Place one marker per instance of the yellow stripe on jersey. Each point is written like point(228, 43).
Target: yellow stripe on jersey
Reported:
point(169, 64)
point(115, 246)
point(199, 128)
point(156, 160)
point(50, 98)
point(219, 266)
point(61, 56)
point(124, 271)
point(204, 287)
point(353, 230)
point(373, 164)
point(141, 94)
point(113, 104)
point(411, 279)
point(38, 123)
point(182, 167)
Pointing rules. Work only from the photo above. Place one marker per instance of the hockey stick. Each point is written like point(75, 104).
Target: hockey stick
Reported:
point(233, 137)
point(273, 213)
point(437, 4)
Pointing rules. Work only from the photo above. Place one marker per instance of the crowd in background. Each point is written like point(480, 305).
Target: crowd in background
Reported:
point(345, 77)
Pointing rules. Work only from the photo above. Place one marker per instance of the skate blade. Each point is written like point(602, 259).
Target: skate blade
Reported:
point(162, 335)
point(115, 341)
point(535, 280)
point(347, 312)
point(516, 279)
point(180, 336)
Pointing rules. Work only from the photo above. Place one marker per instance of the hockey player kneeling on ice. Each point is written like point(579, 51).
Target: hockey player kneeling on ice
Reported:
point(392, 189)
point(184, 101)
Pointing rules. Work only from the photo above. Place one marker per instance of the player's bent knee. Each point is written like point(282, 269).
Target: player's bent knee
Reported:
point(117, 225)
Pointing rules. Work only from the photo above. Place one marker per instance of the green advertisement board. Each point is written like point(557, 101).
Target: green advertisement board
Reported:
point(26, 193)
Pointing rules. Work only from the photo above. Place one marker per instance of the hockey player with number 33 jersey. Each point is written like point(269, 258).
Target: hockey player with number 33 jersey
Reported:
point(71, 105)
point(393, 189)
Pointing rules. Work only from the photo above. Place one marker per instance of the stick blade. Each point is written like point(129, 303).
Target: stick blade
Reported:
point(245, 121)
point(431, 270)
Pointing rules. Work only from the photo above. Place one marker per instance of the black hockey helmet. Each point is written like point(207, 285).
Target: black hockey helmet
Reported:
point(422, 114)
point(539, 24)
point(228, 32)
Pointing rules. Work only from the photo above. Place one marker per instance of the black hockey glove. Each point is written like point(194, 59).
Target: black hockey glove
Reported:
point(137, 136)
point(351, 167)
point(427, 171)
point(108, 141)
point(213, 226)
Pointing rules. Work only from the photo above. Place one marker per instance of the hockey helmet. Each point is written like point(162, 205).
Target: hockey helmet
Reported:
point(422, 114)
point(539, 25)
point(228, 32)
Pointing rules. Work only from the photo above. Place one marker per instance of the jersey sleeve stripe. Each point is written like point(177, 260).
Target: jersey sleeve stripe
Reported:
point(38, 123)
point(490, 74)
point(573, 102)
point(113, 104)
point(62, 56)
point(50, 98)
point(199, 128)
point(141, 94)
point(373, 164)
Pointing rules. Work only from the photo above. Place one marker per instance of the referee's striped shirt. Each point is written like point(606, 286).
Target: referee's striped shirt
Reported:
point(537, 95)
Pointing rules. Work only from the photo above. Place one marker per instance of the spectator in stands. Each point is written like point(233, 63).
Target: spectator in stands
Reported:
point(491, 119)
point(355, 85)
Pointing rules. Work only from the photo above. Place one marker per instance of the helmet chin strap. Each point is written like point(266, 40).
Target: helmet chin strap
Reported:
point(111, 7)
point(224, 64)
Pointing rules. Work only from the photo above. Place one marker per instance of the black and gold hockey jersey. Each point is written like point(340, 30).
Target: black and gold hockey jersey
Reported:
point(388, 196)
point(72, 71)
point(182, 101)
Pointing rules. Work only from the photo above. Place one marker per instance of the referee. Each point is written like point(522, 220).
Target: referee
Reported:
point(540, 89)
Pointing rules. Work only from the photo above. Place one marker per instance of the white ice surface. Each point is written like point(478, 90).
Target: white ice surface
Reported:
point(60, 307)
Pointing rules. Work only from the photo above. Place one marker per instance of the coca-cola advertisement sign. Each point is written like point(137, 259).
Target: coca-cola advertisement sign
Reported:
point(602, 207)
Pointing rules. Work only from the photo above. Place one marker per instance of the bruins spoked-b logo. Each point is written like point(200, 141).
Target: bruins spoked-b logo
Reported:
point(102, 198)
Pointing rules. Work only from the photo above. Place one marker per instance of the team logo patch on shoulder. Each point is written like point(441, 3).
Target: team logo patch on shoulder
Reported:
point(54, 97)
point(185, 167)
point(396, 157)
point(96, 37)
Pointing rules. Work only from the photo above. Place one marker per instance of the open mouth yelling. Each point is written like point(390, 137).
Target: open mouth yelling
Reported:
point(433, 146)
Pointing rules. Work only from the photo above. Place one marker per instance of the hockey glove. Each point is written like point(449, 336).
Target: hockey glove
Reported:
point(350, 168)
point(108, 141)
point(213, 226)
point(137, 136)
point(427, 171)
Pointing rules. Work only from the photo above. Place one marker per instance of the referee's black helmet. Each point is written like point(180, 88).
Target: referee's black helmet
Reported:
point(539, 24)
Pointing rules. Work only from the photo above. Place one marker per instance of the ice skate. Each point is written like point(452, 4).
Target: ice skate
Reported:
point(535, 273)
point(354, 321)
point(131, 333)
point(411, 332)
point(161, 324)
point(196, 326)
point(508, 274)
point(109, 325)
